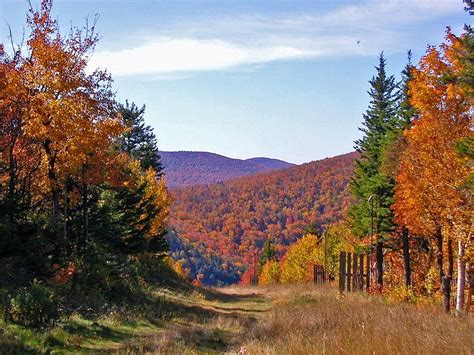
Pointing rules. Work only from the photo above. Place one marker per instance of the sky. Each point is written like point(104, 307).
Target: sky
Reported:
point(285, 79)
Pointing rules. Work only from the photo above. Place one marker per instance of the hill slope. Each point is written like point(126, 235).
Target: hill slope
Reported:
point(197, 168)
point(234, 218)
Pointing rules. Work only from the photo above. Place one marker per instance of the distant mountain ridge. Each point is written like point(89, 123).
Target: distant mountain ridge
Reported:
point(185, 168)
point(233, 219)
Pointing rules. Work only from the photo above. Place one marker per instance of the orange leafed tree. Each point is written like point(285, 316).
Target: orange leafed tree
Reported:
point(70, 112)
point(428, 199)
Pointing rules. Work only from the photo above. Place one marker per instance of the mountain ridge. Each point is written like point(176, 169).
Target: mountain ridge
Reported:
point(188, 168)
point(234, 218)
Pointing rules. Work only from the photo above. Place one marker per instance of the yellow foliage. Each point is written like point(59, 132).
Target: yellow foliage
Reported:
point(337, 237)
point(299, 259)
point(157, 189)
point(270, 273)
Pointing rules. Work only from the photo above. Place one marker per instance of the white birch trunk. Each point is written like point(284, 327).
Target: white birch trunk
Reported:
point(461, 278)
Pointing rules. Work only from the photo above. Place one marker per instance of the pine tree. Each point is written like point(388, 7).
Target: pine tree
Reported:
point(268, 252)
point(140, 140)
point(370, 186)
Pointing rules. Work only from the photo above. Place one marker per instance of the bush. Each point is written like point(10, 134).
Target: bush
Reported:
point(34, 306)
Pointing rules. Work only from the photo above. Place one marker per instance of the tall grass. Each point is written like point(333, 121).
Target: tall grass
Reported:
point(310, 320)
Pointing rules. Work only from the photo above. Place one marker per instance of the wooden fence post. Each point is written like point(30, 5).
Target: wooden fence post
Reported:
point(367, 280)
point(349, 271)
point(361, 272)
point(342, 271)
point(355, 279)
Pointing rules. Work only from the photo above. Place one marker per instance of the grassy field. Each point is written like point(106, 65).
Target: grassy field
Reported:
point(269, 320)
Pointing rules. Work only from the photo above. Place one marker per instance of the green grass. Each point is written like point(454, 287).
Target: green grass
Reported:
point(291, 319)
point(205, 321)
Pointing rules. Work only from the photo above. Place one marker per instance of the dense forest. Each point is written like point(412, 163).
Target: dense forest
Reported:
point(235, 218)
point(83, 206)
point(199, 168)
point(194, 261)
point(412, 186)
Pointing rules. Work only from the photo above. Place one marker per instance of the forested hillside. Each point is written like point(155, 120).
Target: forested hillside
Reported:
point(197, 168)
point(196, 262)
point(235, 218)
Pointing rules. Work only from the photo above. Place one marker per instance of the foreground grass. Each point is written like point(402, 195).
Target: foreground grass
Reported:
point(185, 320)
point(270, 320)
point(308, 320)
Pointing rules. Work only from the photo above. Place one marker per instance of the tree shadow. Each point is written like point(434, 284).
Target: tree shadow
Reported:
point(214, 295)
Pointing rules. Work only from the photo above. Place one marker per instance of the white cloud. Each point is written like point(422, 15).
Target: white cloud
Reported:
point(169, 55)
point(242, 40)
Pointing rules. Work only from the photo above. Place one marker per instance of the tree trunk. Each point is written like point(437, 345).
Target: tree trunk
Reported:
point(446, 290)
point(53, 180)
point(406, 257)
point(470, 284)
point(85, 210)
point(11, 185)
point(379, 252)
point(439, 254)
point(450, 258)
point(461, 278)
point(65, 234)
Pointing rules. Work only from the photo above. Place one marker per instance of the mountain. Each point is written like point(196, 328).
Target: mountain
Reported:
point(269, 164)
point(198, 168)
point(234, 218)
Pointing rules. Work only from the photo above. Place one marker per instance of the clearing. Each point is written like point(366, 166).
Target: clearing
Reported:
point(299, 319)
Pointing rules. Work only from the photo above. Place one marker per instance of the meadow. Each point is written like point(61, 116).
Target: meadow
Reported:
point(283, 319)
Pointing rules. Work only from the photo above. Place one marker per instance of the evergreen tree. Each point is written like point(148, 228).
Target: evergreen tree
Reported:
point(140, 140)
point(370, 186)
point(268, 252)
point(406, 112)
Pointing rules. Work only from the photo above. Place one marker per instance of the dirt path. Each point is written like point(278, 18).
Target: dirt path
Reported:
point(210, 321)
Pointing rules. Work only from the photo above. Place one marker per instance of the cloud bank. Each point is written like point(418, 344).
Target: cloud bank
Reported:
point(243, 40)
point(167, 55)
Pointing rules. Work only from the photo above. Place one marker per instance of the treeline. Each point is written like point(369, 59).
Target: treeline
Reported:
point(412, 184)
point(412, 180)
point(297, 265)
point(83, 206)
point(201, 265)
point(235, 218)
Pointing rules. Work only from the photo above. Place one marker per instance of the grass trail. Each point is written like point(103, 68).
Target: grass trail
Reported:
point(257, 320)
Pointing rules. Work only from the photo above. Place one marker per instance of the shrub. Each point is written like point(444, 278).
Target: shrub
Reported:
point(34, 306)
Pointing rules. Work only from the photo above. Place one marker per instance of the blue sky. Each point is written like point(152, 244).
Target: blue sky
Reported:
point(284, 79)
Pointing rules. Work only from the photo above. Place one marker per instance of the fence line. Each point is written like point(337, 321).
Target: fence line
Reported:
point(351, 272)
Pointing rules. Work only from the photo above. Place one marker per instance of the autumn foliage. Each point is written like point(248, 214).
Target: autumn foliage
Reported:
point(419, 172)
point(429, 197)
point(76, 208)
point(235, 218)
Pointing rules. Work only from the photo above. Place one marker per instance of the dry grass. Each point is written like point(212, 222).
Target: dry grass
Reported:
point(290, 319)
point(310, 320)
